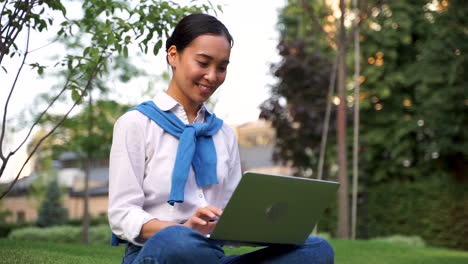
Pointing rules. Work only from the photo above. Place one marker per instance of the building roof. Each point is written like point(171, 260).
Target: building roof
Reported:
point(69, 155)
point(97, 191)
point(21, 186)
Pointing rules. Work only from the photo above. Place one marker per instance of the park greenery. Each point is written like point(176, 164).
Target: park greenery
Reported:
point(413, 124)
point(73, 135)
point(413, 148)
point(97, 38)
point(346, 251)
point(98, 41)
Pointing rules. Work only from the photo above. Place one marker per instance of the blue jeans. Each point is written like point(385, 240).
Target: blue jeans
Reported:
point(179, 244)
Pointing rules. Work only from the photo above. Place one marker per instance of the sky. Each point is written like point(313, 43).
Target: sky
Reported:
point(253, 27)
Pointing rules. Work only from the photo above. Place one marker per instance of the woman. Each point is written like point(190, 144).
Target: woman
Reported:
point(174, 165)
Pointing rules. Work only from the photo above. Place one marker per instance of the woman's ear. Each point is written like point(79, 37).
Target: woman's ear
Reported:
point(172, 55)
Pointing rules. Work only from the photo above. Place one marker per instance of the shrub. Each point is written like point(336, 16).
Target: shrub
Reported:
point(434, 209)
point(100, 234)
point(57, 234)
point(6, 228)
point(65, 234)
point(400, 239)
point(93, 221)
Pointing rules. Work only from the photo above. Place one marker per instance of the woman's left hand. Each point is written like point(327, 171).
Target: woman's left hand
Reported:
point(202, 220)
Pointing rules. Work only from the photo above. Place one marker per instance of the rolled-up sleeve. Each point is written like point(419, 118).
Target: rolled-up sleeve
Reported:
point(126, 175)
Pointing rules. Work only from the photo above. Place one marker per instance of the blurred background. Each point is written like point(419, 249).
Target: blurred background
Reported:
point(368, 93)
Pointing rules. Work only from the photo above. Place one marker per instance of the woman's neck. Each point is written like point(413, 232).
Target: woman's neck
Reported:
point(191, 109)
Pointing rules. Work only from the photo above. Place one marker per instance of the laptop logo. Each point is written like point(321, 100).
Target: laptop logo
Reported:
point(277, 210)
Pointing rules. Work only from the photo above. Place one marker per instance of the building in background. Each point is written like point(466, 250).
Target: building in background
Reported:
point(256, 143)
point(70, 175)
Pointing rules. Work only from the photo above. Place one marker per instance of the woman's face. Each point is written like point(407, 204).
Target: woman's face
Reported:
point(199, 69)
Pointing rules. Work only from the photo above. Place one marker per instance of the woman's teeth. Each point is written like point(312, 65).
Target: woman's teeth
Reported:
point(205, 88)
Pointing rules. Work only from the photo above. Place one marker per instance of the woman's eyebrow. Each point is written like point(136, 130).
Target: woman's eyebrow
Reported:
point(210, 57)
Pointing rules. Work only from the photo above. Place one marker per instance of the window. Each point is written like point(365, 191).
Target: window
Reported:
point(20, 216)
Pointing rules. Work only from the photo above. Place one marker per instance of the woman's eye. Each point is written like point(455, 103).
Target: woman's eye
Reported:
point(203, 64)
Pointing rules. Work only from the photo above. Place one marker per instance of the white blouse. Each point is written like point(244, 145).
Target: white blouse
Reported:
point(141, 161)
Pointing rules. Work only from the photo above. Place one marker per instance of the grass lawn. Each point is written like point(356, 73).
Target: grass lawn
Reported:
point(347, 252)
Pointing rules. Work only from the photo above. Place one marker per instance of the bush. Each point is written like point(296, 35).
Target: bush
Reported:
point(408, 240)
point(93, 221)
point(6, 228)
point(435, 209)
point(100, 234)
point(65, 234)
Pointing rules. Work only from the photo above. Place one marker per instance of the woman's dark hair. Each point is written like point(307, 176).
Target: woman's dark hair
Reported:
point(194, 25)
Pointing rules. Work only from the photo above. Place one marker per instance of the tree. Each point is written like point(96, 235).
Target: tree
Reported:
point(107, 29)
point(298, 102)
point(72, 135)
point(308, 46)
point(92, 140)
point(51, 211)
point(406, 94)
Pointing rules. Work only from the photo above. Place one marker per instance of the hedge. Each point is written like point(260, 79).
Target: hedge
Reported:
point(435, 209)
point(7, 228)
point(66, 234)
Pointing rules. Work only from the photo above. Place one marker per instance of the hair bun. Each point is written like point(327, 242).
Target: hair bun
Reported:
point(168, 43)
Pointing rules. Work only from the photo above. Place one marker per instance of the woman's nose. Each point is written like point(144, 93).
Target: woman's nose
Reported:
point(210, 75)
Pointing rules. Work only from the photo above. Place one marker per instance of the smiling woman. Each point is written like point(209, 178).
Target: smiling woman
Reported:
point(198, 70)
point(174, 165)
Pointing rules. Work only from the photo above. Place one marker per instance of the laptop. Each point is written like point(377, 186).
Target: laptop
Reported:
point(270, 209)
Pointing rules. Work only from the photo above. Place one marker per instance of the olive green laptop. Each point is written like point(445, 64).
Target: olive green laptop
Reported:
point(272, 209)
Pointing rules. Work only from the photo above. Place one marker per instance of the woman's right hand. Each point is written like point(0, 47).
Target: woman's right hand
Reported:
point(202, 220)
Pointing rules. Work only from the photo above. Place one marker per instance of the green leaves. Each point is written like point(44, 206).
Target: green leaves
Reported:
point(157, 47)
point(73, 134)
point(414, 85)
point(96, 41)
point(413, 104)
point(40, 68)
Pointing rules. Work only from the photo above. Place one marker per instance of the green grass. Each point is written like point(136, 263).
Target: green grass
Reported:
point(367, 252)
point(347, 252)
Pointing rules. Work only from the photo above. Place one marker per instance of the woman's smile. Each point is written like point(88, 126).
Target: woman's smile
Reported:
point(198, 70)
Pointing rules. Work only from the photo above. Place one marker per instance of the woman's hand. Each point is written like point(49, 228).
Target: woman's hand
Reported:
point(202, 220)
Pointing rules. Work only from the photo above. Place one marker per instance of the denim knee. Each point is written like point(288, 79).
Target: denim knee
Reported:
point(180, 244)
point(322, 247)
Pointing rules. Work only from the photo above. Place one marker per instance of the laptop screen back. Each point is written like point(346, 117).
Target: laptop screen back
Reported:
point(272, 209)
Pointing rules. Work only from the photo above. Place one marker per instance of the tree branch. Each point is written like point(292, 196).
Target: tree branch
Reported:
point(43, 46)
point(1, 14)
point(43, 113)
point(363, 15)
point(87, 87)
point(2, 135)
point(37, 146)
point(14, 34)
point(310, 12)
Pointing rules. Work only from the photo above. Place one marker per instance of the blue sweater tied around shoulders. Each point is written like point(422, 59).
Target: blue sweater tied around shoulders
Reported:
point(196, 148)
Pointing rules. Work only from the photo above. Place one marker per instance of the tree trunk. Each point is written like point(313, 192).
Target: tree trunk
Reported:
point(356, 123)
point(88, 165)
point(343, 210)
